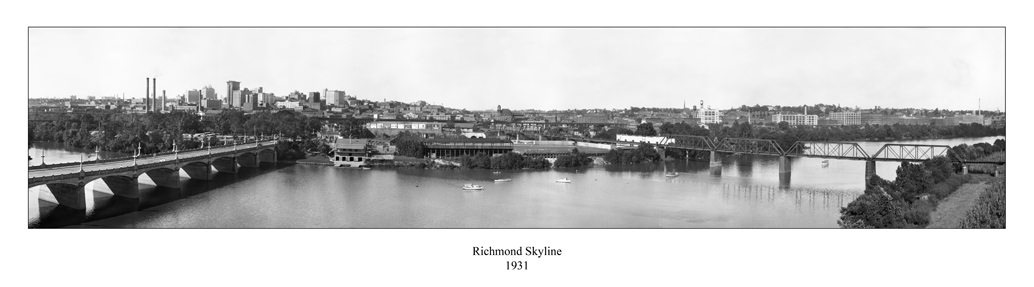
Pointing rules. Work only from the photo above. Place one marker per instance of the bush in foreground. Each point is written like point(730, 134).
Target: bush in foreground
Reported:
point(990, 209)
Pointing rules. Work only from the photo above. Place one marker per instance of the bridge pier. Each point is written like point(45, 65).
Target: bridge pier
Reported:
point(870, 171)
point(784, 171)
point(123, 186)
point(660, 151)
point(716, 164)
point(69, 195)
point(715, 159)
point(784, 164)
point(165, 177)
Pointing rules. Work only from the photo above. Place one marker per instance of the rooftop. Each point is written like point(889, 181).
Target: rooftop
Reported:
point(466, 140)
point(342, 143)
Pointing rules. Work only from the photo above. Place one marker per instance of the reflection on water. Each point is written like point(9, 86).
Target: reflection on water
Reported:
point(745, 192)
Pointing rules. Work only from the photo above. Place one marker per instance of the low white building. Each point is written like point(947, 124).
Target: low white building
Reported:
point(709, 116)
point(796, 120)
point(288, 105)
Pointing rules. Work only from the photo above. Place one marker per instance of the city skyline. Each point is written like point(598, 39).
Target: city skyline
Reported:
point(541, 68)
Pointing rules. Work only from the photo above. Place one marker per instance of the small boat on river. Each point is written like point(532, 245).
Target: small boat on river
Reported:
point(496, 172)
point(472, 187)
point(671, 174)
point(503, 180)
point(825, 163)
point(563, 180)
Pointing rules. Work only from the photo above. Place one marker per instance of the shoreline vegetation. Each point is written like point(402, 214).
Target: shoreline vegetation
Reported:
point(989, 211)
point(910, 200)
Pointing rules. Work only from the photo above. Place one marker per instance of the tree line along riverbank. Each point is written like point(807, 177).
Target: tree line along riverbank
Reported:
point(160, 132)
point(910, 200)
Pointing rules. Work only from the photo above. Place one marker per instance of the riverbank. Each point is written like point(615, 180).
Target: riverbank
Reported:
point(314, 160)
point(952, 210)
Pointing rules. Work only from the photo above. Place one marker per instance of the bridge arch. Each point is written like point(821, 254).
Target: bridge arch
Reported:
point(122, 185)
point(225, 164)
point(164, 176)
point(248, 159)
point(198, 170)
point(68, 194)
point(267, 155)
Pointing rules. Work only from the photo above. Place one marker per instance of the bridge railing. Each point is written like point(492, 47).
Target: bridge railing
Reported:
point(128, 167)
point(126, 158)
point(42, 179)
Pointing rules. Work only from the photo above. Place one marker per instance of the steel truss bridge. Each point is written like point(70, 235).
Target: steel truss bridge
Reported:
point(819, 149)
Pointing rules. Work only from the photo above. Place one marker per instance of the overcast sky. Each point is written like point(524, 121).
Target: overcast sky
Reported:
point(539, 68)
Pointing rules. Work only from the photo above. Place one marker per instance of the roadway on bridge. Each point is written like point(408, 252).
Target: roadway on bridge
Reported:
point(88, 166)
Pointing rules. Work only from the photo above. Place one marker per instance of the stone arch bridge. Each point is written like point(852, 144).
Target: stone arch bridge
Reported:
point(67, 181)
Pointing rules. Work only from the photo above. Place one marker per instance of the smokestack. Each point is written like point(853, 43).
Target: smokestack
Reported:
point(162, 105)
point(147, 94)
point(154, 91)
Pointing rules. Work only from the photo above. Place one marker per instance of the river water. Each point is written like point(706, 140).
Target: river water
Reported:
point(747, 193)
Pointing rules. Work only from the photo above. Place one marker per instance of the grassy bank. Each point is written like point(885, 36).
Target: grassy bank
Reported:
point(989, 211)
point(952, 210)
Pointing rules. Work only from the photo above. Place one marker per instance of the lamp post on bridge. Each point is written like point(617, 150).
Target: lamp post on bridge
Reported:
point(137, 154)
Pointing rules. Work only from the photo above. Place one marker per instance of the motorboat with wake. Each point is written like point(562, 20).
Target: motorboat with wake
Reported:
point(563, 180)
point(669, 174)
point(503, 180)
point(472, 187)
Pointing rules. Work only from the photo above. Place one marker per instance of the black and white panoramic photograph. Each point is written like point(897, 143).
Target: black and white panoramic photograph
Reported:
point(516, 127)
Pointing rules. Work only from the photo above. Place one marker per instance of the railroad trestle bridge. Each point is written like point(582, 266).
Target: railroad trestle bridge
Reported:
point(896, 152)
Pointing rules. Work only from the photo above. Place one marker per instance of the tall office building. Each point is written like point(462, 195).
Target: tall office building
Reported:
point(209, 93)
point(334, 97)
point(193, 96)
point(232, 86)
point(314, 97)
